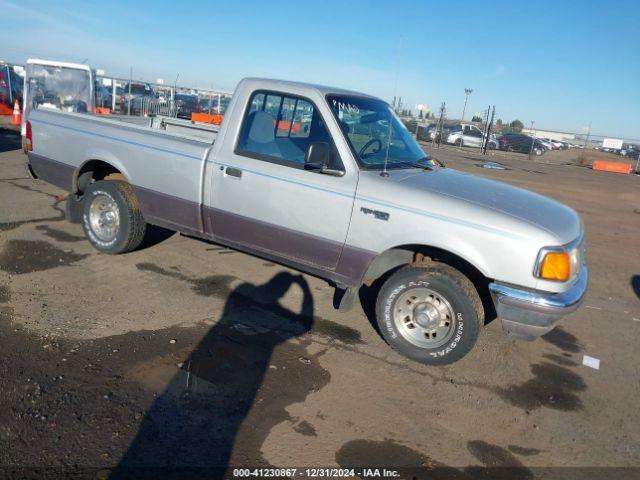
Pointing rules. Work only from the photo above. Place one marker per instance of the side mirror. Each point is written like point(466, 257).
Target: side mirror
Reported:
point(317, 154)
point(317, 158)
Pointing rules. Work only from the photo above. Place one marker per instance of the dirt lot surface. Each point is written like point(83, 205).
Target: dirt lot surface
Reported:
point(189, 355)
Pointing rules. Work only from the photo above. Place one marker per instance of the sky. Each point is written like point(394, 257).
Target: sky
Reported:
point(563, 64)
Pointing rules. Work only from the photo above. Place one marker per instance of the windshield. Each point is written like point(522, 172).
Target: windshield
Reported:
point(365, 123)
point(137, 89)
point(67, 89)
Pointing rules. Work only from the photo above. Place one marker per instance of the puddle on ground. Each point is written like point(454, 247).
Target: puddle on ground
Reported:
point(5, 294)
point(6, 226)
point(552, 386)
point(498, 463)
point(378, 454)
point(492, 455)
point(26, 256)
point(492, 166)
point(345, 334)
point(560, 360)
point(59, 235)
point(306, 429)
point(563, 340)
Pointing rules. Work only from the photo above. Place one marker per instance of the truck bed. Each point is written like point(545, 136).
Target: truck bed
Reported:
point(156, 154)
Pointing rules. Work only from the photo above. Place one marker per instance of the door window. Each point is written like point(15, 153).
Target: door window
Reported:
point(279, 128)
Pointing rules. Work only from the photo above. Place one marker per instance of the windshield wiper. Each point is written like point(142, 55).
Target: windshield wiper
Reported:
point(422, 166)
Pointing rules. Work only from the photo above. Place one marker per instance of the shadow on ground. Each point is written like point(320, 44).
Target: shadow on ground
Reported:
point(635, 284)
point(230, 391)
point(155, 235)
point(9, 140)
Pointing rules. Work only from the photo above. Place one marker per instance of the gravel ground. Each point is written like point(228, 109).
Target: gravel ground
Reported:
point(188, 355)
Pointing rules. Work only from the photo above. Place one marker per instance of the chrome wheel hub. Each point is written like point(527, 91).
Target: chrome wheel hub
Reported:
point(423, 317)
point(104, 218)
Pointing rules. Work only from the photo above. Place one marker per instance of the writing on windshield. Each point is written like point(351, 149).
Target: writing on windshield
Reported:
point(374, 133)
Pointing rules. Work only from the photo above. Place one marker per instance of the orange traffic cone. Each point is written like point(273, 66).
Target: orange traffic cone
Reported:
point(16, 119)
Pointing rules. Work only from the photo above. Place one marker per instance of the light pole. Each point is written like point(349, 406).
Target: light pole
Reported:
point(467, 92)
point(533, 138)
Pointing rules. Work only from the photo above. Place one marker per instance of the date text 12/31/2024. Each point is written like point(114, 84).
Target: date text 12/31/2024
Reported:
point(315, 473)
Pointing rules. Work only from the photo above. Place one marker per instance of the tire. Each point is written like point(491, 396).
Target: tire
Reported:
point(73, 208)
point(437, 284)
point(538, 152)
point(491, 146)
point(112, 203)
point(460, 142)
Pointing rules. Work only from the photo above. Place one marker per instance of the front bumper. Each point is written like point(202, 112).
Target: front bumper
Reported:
point(528, 314)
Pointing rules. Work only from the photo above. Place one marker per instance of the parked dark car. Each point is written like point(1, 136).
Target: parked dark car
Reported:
point(186, 104)
point(10, 88)
point(135, 96)
point(518, 142)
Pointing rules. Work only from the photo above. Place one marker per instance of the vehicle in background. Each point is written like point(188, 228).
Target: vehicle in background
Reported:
point(11, 89)
point(465, 135)
point(546, 143)
point(132, 97)
point(62, 86)
point(493, 143)
point(630, 151)
point(214, 104)
point(329, 182)
point(521, 143)
point(104, 96)
point(424, 132)
point(186, 104)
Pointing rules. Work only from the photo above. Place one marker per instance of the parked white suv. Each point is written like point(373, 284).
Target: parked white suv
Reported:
point(466, 135)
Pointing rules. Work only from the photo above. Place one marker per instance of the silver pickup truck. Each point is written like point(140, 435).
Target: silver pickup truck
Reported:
point(329, 182)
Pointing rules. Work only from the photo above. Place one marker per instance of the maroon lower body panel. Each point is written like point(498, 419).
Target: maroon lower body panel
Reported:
point(292, 244)
point(55, 173)
point(325, 258)
point(168, 211)
point(353, 264)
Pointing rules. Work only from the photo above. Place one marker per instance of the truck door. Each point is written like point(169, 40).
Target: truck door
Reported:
point(265, 199)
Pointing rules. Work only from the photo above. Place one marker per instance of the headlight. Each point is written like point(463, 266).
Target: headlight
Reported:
point(559, 263)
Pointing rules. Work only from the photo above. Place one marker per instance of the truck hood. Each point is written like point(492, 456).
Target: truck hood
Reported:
point(554, 217)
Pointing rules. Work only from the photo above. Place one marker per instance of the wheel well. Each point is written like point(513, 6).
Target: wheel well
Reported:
point(392, 259)
point(92, 171)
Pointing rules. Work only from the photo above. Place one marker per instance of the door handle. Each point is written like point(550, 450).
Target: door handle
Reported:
point(233, 172)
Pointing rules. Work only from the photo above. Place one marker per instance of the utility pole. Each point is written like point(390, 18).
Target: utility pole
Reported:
point(487, 130)
point(533, 139)
point(467, 92)
point(129, 96)
point(438, 135)
point(586, 139)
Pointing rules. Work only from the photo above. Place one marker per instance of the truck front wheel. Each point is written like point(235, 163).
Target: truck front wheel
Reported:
point(431, 314)
point(111, 218)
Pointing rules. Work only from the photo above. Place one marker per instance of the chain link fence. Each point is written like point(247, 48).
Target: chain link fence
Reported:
point(486, 132)
point(140, 98)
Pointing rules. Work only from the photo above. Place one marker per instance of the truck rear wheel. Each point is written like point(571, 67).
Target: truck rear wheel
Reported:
point(111, 218)
point(431, 314)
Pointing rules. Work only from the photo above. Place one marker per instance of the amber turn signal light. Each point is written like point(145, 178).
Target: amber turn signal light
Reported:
point(556, 266)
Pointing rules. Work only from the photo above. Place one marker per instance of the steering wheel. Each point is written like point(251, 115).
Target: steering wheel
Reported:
point(368, 145)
